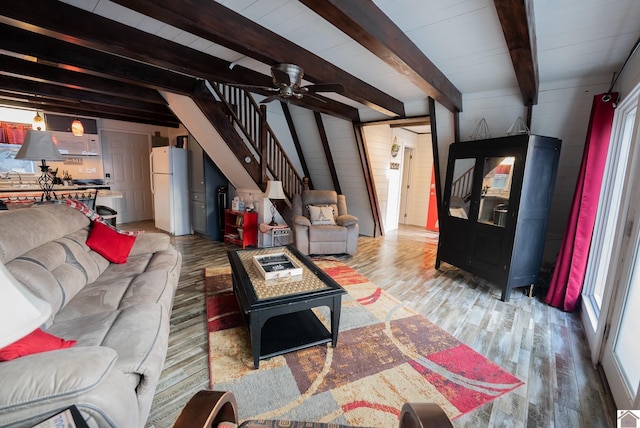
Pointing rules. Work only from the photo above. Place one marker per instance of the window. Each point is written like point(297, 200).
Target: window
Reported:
point(7, 162)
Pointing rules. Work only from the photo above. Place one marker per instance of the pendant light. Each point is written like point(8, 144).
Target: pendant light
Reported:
point(76, 128)
point(38, 122)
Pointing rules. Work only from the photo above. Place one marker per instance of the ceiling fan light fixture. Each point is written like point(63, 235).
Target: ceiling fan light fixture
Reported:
point(77, 128)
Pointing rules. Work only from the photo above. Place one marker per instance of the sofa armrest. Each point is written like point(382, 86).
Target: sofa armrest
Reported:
point(37, 386)
point(423, 415)
point(346, 220)
point(208, 409)
point(300, 220)
point(147, 243)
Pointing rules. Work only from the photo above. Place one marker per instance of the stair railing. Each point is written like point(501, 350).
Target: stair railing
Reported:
point(463, 185)
point(249, 119)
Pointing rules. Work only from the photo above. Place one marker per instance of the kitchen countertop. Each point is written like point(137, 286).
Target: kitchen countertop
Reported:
point(59, 187)
point(28, 190)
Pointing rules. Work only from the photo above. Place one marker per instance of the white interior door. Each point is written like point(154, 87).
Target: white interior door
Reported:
point(406, 185)
point(126, 159)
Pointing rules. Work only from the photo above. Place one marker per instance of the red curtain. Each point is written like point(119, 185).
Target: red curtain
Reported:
point(568, 276)
point(13, 133)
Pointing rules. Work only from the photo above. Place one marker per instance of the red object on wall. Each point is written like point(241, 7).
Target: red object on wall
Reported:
point(432, 213)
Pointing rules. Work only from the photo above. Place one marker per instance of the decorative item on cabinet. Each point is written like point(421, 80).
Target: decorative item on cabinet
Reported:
point(481, 131)
point(496, 204)
point(518, 127)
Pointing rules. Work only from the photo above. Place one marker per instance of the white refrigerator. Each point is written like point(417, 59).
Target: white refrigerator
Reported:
point(170, 188)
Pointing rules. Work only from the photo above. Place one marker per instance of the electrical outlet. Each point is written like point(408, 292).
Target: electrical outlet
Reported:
point(91, 170)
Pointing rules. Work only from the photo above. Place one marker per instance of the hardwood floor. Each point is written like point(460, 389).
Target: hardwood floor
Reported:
point(544, 347)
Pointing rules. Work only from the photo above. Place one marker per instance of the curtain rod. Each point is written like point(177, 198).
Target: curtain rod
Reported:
point(607, 97)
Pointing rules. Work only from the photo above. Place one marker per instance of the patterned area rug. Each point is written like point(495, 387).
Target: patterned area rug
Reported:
point(386, 355)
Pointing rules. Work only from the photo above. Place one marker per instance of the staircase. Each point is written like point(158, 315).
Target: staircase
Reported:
point(243, 125)
point(463, 185)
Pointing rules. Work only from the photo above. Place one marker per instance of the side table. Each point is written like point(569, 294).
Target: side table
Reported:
point(276, 232)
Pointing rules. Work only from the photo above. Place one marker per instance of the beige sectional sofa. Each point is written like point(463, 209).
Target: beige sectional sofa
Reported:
point(117, 313)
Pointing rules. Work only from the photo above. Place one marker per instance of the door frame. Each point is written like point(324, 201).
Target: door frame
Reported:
point(608, 237)
point(629, 257)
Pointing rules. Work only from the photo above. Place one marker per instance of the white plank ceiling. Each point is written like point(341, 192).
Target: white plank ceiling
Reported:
point(463, 38)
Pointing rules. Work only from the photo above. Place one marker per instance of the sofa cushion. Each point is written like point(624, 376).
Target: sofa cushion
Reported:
point(56, 271)
point(109, 243)
point(33, 343)
point(148, 243)
point(327, 234)
point(46, 222)
point(321, 215)
point(108, 295)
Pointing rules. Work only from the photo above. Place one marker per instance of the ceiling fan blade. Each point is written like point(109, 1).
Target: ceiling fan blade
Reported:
point(315, 98)
point(262, 88)
point(280, 76)
point(323, 87)
point(269, 99)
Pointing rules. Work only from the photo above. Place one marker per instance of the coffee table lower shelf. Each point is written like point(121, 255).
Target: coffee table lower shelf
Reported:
point(291, 332)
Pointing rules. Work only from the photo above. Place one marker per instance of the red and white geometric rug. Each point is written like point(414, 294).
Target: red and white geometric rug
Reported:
point(386, 355)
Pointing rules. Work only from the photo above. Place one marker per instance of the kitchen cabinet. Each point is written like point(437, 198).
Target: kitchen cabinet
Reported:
point(204, 181)
point(496, 204)
point(241, 228)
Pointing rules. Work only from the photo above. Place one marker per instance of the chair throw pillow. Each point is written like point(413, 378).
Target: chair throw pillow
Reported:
point(321, 215)
point(110, 243)
point(33, 343)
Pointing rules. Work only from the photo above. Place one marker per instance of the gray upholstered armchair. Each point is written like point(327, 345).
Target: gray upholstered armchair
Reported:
point(321, 224)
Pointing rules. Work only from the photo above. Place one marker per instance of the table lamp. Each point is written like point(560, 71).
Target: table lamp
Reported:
point(21, 312)
point(39, 145)
point(274, 191)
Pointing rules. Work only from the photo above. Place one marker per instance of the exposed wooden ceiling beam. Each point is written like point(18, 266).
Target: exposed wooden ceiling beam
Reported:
point(407, 121)
point(38, 72)
point(327, 152)
point(59, 53)
point(516, 18)
point(212, 21)
point(29, 87)
point(50, 45)
point(77, 26)
point(364, 22)
point(85, 109)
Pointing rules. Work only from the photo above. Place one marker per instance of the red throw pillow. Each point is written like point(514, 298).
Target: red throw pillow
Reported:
point(109, 243)
point(33, 343)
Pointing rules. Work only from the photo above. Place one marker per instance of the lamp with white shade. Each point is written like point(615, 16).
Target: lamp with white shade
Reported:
point(274, 191)
point(21, 312)
point(39, 145)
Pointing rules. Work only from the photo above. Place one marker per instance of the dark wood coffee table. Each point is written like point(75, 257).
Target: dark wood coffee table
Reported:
point(278, 311)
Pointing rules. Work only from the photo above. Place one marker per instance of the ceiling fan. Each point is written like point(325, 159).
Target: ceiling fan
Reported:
point(287, 82)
